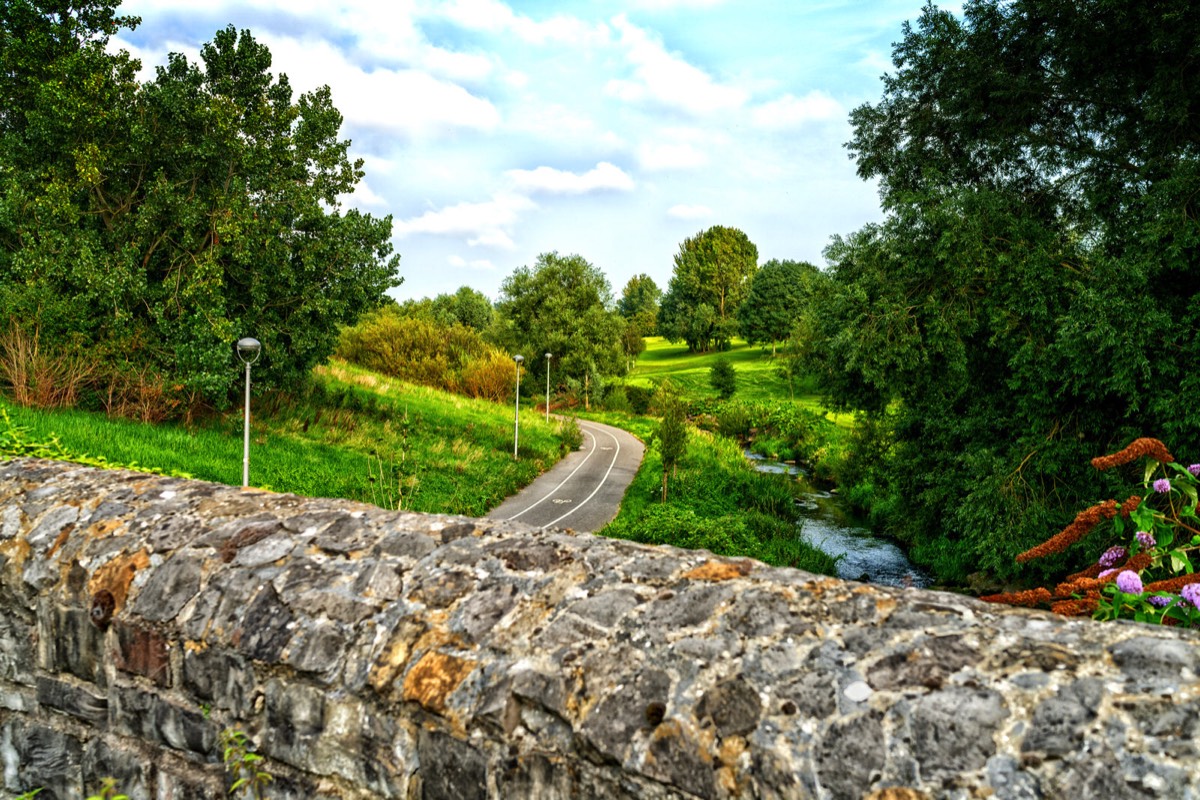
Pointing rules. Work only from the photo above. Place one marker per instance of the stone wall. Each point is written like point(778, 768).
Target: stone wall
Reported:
point(381, 654)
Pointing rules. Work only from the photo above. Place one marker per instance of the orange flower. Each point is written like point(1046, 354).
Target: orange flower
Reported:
point(1130, 505)
point(1150, 448)
point(1082, 607)
point(1090, 572)
point(1172, 584)
point(1029, 598)
point(1084, 522)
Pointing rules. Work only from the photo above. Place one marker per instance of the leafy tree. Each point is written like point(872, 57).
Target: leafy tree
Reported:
point(156, 223)
point(713, 270)
point(1032, 298)
point(671, 434)
point(639, 304)
point(563, 306)
point(723, 378)
point(467, 306)
point(779, 294)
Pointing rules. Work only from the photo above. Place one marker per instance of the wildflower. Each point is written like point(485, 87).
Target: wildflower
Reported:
point(1084, 522)
point(1130, 505)
point(1160, 600)
point(1191, 594)
point(1129, 582)
point(1146, 540)
point(1162, 486)
point(1081, 607)
point(1029, 597)
point(1112, 555)
point(1151, 448)
point(1194, 469)
point(1108, 573)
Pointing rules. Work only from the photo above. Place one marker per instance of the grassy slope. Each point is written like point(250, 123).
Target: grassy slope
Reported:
point(437, 452)
point(756, 376)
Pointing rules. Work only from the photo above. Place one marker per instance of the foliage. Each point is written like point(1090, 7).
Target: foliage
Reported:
point(563, 306)
point(780, 293)
point(108, 791)
point(719, 504)
point(639, 305)
point(468, 307)
point(247, 778)
point(1031, 297)
point(712, 276)
point(723, 378)
point(155, 223)
point(1148, 575)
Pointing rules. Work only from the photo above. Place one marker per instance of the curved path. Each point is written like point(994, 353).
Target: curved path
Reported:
point(583, 491)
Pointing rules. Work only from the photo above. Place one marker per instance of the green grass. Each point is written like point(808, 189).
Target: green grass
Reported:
point(757, 379)
point(428, 450)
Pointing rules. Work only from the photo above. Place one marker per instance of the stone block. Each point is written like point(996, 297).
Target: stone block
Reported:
point(35, 756)
point(450, 769)
point(170, 587)
point(69, 642)
point(158, 721)
point(144, 651)
point(74, 700)
point(221, 679)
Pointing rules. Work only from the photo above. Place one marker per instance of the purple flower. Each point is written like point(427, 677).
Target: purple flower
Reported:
point(1160, 601)
point(1162, 486)
point(1195, 470)
point(1112, 555)
point(1146, 540)
point(1129, 582)
point(1191, 594)
point(1108, 573)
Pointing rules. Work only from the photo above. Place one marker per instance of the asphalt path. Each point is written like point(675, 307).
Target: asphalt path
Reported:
point(583, 491)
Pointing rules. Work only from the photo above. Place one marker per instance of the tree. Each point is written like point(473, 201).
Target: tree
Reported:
point(723, 378)
point(563, 306)
point(671, 433)
point(639, 304)
point(156, 223)
point(712, 276)
point(779, 294)
point(466, 306)
point(1032, 297)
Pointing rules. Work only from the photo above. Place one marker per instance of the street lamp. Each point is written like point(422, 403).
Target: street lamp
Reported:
point(248, 350)
point(547, 387)
point(517, 359)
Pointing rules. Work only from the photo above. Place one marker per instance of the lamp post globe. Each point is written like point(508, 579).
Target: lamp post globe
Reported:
point(517, 359)
point(248, 351)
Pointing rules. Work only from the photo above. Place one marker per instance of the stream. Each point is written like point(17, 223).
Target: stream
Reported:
point(824, 525)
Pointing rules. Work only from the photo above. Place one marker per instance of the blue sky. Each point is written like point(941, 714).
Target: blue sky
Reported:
point(494, 131)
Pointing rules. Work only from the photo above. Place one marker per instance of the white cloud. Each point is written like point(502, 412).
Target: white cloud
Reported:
point(475, 263)
point(604, 176)
point(365, 197)
point(790, 111)
point(666, 78)
point(495, 17)
point(484, 224)
point(404, 101)
point(678, 155)
point(689, 212)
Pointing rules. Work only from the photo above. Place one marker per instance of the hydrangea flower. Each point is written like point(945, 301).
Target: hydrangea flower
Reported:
point(1160, 601)
point(1191, 594)
point(1129, 582)
point(1112, 555)
point(1195, 470)
point(1108, 573)
point(1162, 486)
point(1146, 540)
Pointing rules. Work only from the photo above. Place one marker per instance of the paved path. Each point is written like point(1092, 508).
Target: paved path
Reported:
point(582, 491)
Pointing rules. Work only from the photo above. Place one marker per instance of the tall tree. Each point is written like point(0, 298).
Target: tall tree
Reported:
point(1032, 298)
point(711, 278)
point(562, 305)
point(468, 307)
point(779, 294)
point(156, 223)
point(639, 304)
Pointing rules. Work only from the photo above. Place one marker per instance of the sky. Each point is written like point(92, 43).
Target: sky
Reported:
point(494, 131)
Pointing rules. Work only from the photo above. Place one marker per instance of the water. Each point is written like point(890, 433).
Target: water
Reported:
point(824, 525)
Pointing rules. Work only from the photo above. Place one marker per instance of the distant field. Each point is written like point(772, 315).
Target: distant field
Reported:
point(426, 450)
point(756, 374)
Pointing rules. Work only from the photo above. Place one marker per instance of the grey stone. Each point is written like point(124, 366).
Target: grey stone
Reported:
point(74, 700)
point(954, 730)
point(450, 769)
point(1059, 721)
point(175, 582)
point(1157, 664)
point(606, 608)
point(630, 706)
point(733, 706)
point(851, 756)
point(685, 608)
point(219, 679)
point(266, 627)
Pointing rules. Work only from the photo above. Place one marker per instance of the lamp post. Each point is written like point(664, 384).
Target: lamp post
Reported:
point(517, 359)
point(547, 387)
point(248, 350)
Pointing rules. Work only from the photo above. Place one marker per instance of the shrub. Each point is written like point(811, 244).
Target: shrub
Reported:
point(723, 378)
point(639, 398)
point(491, 376)
point(615, 399)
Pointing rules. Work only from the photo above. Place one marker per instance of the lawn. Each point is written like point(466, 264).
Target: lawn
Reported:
point(757, 379)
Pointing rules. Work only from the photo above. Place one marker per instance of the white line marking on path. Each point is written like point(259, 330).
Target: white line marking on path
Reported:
point(598, 486)
point(556, 488)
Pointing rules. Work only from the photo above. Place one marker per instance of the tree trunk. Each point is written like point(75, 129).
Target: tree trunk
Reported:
point(664, 484)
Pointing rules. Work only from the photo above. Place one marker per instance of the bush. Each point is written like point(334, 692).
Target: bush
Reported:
point(723, 378)
point(639, 398)
point(615, 399)
point(491, 376)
